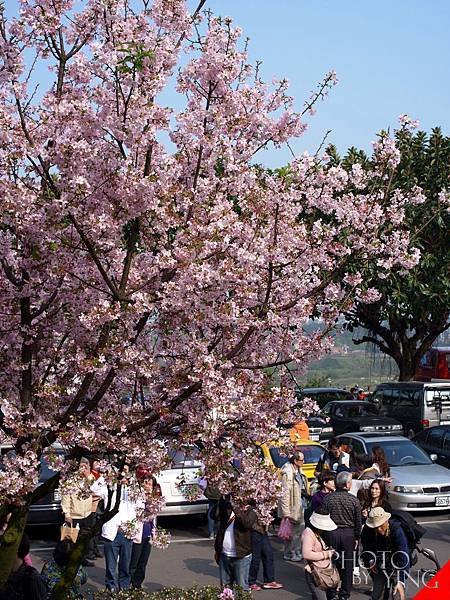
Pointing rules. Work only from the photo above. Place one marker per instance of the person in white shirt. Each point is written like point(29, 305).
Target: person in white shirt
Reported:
point(117, 536)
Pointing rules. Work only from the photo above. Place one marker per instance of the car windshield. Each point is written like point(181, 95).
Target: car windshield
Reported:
point(45, 470)
point(180, 459)
point(359, 410)
point(401, 453)
point(311, 453)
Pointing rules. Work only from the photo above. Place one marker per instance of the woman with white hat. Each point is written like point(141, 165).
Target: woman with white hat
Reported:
point(319, 556)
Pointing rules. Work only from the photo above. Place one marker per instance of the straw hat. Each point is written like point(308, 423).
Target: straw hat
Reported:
point(322, 522)
point(377, 516)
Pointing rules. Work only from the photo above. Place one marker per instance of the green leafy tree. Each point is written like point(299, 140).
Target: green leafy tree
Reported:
point(413, 308)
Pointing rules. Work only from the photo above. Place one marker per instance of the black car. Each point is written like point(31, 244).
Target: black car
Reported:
point(345, 417)
point(436, 440)
point(324, 395)
point(47, 510)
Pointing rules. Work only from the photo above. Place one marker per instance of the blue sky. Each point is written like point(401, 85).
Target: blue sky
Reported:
point(391, 57)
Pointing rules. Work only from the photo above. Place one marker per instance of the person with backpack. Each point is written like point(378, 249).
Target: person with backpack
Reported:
point(386, 553)
point(52, 570)
point(24, 582)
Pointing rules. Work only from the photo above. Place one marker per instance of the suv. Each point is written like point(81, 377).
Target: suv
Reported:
point(359, 416)
point(416, 404)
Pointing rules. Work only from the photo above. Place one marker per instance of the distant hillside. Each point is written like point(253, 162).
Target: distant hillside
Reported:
point(346, 370)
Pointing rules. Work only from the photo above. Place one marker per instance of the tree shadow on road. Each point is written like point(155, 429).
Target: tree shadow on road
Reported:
point(202, 566)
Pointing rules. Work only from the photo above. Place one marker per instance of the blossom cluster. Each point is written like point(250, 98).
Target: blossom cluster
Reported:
point(157, 281)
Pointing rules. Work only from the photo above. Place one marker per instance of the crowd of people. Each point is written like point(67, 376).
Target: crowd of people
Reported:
point(126, 536)
point(343, 521)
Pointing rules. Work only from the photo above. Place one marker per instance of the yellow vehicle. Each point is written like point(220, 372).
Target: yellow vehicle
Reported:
point(274, 454)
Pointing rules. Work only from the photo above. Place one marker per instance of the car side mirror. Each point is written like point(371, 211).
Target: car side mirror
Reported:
point(434, 457)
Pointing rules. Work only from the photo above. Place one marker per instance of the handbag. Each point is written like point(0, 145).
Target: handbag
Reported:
point(324, 578)
point(67, 531)
point(285, 529)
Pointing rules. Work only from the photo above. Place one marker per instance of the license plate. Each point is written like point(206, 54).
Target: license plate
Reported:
point(442, 500)
point(314, 438)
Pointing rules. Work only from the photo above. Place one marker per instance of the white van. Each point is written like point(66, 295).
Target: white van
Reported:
point(416, 404)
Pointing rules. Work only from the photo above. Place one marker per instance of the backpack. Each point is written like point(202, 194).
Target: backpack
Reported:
point(412, 530)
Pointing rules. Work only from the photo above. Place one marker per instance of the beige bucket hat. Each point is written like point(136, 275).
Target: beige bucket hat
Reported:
point(377, 516)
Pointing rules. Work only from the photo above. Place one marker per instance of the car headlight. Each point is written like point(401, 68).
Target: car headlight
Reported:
point(397, 426)
point(408, 489)
point(327, 430)
point(368, 428)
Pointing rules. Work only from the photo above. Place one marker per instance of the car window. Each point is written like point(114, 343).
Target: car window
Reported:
point(421, 438)
point(401, 453)
point(279, 458)
point(408, 398)
point(356, 445)
point(447, 441)
point(180, 459)
point(326, 410)
point(339, 411)
point(311, 453)
point(361, 410)
point(435, 437)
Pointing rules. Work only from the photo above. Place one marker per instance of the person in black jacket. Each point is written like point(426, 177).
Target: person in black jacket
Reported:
point(385, 553)
point(24, 582)
point(233, 545)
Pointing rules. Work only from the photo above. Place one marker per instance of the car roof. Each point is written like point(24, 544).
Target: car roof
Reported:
point(378, 437)
point(446, 427)
point(350, 402)
point(323, 389)
point(413, 384)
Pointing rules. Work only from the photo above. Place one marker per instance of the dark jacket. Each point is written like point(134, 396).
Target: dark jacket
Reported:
point(244, 522)
point(345, 510)
point(24, 584)
point(384, 547)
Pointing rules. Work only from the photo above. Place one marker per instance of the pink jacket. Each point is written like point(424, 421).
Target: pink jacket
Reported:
point(313, 549)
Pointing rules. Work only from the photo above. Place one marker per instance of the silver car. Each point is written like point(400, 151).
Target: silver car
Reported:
point(417, 483)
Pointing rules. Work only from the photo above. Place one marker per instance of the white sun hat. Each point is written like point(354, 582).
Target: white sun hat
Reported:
point(322, 522)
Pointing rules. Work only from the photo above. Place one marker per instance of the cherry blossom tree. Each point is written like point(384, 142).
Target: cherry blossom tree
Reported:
point(144, 252)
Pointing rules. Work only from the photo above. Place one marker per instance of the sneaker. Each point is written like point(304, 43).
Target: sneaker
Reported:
point(254, 587)
point(87, 563)
point(272, 585)
point(295, 558)
point(211, 536)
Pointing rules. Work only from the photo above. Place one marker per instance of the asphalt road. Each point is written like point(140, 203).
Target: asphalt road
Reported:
point(189, 558)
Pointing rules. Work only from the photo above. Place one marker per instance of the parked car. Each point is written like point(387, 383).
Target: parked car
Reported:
point(180, 484)
point(436, 440)
point(359, 416)
point(47, 510)
point(417, 482)
point(434, 365)
point(274, 455)
point(416, 405)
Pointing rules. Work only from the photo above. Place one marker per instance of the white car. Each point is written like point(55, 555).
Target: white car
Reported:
point(180, 485)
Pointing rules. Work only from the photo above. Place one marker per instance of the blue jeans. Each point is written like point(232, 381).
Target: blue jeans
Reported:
point(234, 571)
point(118, 549)
point(261, 550)
point(211, 516)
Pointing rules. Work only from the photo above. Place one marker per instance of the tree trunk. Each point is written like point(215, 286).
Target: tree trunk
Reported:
point(62, 588)
point(10, 542)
